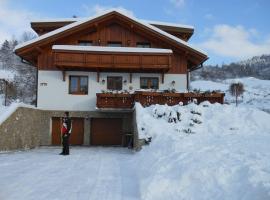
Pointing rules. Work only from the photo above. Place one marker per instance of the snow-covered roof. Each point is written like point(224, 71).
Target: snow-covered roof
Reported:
point(161, 23)
point(111, 49)
point(78, 23)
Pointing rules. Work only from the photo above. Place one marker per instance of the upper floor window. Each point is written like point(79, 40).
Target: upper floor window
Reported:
point(114, 44)
point(149, 83)
point(78, 85)
point(114, 83)
point(85, 43)
point(143, 44)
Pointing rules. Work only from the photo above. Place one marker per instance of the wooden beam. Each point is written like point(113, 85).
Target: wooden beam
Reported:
point(98, 76)
point(64, 75)
point(162, 77)
point(130, 77)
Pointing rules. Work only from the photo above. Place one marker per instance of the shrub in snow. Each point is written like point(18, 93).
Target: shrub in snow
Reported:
point(236, 89)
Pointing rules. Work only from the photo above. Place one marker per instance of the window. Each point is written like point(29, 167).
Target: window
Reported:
point(143, 44)
point(114, 44)
point(85, 43)
point(149, 83)
point(78, 85)
point(114, 83)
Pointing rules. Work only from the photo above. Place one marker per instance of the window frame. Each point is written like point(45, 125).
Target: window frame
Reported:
point(143, 44)
point(148, 79)
point(78, 92)
point(109, 43)
point(80, 42)
point(108, 77)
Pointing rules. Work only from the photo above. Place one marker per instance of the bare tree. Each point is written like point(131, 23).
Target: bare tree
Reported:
point(236, 89)
point(27, 35)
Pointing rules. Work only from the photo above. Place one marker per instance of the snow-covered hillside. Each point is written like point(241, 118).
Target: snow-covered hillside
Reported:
point(209, 152)
point(256, 95)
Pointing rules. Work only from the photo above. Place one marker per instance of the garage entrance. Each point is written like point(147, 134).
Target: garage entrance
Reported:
point(106, 131)
point(76, 137)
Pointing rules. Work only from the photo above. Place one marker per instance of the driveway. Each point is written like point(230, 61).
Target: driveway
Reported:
point(88, 173)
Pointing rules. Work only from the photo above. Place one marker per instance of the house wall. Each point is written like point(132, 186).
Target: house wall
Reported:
point(55, 95)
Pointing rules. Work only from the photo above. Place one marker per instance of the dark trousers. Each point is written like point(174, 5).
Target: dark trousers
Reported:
point(65, 143)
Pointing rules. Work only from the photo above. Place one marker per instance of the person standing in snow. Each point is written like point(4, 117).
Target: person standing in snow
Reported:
point(66, 131)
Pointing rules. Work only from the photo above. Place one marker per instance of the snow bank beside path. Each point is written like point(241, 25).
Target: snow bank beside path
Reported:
point(224, 155)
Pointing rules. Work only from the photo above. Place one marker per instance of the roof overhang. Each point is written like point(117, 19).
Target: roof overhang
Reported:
point(30, 46)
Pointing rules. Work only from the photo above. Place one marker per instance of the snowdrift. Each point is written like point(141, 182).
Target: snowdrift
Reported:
point(206, 151)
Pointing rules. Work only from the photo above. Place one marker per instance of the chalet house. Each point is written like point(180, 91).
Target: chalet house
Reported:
point(82, 63)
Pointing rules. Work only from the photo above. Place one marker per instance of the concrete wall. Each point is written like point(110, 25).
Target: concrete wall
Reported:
point(55, 95)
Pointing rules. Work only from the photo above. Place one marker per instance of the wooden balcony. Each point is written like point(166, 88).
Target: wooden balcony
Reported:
point(127, 101)
point(113, 60)
point(119, 101)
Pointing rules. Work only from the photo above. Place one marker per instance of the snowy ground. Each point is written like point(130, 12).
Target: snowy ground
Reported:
point(206, 151)
point(203, 152)
point(256, 95)
point(88, 173)
point(214, 152)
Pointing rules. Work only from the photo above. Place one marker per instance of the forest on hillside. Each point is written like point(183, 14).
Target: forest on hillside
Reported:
point(258, 67)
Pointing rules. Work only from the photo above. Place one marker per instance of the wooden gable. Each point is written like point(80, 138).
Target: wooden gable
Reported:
point(109, 27)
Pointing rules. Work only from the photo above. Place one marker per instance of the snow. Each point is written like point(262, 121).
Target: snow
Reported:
point(226, 156)
point(167, 24)
point(142, 20)
point(6, 111)
point(110, 49)
point(256, 95)
point(77, 23)
point(206, 151)
point(7, 75)
point(88, 173)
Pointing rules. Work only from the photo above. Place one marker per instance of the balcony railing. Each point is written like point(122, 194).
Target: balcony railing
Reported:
point(127, 101)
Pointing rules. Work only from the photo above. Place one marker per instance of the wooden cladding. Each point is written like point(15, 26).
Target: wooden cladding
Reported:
point(117, 61)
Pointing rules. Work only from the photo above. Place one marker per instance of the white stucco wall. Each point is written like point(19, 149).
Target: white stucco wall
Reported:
point(55, 95)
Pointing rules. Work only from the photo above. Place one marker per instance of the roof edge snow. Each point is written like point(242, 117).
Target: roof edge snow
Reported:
point(110, 49)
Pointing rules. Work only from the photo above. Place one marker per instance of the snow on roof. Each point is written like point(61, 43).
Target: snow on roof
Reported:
point(110, 49)
point(7, 75)
point(167, 24)
point(142, 20)
point(77, 23)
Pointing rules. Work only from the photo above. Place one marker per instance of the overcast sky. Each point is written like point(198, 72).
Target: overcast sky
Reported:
point(228, 30)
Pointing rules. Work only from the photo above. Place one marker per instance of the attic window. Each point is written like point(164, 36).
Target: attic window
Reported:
point(143, 44)
point(85, 43)
point(114, 44)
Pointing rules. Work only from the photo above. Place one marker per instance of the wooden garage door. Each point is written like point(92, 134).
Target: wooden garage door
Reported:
point(76, 137)
point(106, 131)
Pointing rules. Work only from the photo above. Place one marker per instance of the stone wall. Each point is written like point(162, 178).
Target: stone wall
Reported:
point(22, 129)
point(29, 128)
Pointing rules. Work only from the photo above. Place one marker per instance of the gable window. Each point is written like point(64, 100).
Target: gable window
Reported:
point(78, 85)
point(143, 44)
point(149, 83)
point(114, 83)
point(114, 44)
point(85, 43)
